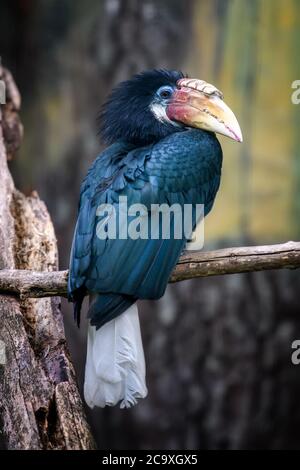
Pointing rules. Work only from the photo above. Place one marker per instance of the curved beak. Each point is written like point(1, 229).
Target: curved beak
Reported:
point(199, 104)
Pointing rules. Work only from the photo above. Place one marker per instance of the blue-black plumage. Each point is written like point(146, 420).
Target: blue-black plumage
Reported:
point(163, 150)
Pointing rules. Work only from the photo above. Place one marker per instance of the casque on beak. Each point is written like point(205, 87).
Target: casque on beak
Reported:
point(199, 104)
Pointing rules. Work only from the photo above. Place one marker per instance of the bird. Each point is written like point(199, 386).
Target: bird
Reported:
point(161, 149)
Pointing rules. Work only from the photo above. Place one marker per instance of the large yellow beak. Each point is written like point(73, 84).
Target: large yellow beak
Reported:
point(199, 104)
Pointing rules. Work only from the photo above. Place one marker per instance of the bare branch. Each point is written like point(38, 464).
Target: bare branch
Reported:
point(26, 283)
point(237, 260)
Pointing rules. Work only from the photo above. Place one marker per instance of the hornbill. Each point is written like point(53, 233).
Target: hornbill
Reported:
point(160, 127)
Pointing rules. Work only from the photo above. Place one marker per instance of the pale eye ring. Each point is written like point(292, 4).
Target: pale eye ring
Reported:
point(165, 92)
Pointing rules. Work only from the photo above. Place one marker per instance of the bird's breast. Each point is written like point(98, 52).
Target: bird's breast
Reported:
point(185, 160)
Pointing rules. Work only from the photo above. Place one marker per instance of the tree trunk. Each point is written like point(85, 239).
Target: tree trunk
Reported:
point(40, 406)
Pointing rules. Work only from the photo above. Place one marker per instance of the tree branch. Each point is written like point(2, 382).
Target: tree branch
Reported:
point(26, 283)
point(237, 260)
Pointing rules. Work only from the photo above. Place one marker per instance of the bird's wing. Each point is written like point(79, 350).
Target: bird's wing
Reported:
point(162, 173)
point(113, 265)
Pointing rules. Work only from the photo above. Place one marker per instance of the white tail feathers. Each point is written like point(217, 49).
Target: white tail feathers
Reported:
point(115, 363)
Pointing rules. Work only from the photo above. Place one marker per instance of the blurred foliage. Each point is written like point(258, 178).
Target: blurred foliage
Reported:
point(251, 51)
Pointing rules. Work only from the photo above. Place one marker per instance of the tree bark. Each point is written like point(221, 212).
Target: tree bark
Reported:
point(40, 406)
point(237, 260)
point(37, 284)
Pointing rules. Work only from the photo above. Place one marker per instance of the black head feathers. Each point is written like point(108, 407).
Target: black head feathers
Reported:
point(127, 115)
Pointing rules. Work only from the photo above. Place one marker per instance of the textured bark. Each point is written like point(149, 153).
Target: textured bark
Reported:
point(237, 260)
point(34, 284)
point(40, 406)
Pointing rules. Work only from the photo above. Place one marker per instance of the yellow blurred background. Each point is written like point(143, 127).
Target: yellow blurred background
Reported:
point(253, 56)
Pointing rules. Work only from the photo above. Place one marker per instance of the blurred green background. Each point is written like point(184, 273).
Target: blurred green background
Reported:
point(218, 350)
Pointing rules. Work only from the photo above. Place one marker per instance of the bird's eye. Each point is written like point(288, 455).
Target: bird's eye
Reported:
point(165, 92)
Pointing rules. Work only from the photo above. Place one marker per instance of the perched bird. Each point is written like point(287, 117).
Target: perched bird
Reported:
point(160, 127)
